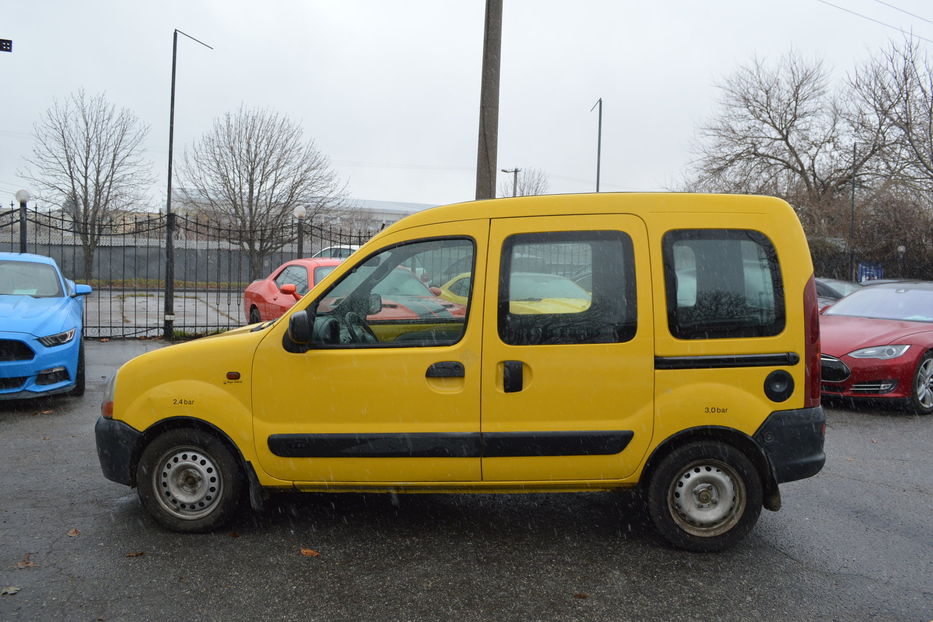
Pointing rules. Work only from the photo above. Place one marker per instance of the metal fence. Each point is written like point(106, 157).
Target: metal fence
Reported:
point(128, 258)
point(126, 261)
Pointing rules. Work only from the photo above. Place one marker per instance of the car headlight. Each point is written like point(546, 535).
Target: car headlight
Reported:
point(58, 338)
point(880, 352)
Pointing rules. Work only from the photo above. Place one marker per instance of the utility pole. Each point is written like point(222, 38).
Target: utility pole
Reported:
point(514, 172)
point(599, 139)
point(489, 103)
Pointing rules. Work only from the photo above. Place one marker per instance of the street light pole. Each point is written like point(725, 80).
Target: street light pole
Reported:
point(169, 318)
point(514, 172)
point(599, 139)
point(852, 274)
point(22, 196)
point(300, 213)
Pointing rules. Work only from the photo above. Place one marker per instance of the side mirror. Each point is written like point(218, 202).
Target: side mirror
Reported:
point(375, 304)
point(299, 327)
point(435, 290)
point(289, 289)
point(82, 290)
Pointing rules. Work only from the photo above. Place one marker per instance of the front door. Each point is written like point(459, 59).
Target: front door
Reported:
point(568, 367)
point(389, 390)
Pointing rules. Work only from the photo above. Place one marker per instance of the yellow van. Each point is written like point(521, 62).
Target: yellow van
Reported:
point(687, 365)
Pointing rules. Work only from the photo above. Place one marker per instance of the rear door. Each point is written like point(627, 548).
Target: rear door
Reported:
point(730, 344)
point(567, 349)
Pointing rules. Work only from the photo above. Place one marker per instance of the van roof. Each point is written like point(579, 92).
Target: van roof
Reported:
point(594, 203)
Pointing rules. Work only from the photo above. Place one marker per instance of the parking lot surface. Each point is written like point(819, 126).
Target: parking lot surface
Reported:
point(854, 542)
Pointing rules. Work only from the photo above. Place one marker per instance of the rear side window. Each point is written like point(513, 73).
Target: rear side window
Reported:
point(569, 287)
point(721, 284)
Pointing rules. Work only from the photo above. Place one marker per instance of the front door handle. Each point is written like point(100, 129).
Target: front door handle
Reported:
point(446, 369)
point(512, 376)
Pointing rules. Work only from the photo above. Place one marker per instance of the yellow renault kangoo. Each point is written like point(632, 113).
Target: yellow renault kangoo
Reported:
point(665, 342)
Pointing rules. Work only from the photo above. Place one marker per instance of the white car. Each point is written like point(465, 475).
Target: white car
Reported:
point(341, 251)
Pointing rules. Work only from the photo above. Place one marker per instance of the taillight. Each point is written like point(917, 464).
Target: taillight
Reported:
point(811, 328)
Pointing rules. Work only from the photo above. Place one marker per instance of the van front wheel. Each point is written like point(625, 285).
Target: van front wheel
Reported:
point(189, 480)
point(704, 497)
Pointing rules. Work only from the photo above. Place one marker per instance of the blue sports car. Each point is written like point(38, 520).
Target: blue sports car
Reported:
point(41, 314)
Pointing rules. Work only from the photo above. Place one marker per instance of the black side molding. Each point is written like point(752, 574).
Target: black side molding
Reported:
point(727, 360)
point(450, 445)
point(526, 444)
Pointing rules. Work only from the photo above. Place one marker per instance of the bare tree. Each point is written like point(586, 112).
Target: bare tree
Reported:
point(530, 181)
point(898, 87)
point(252, 169)
point(782, 132)
point(87, 160)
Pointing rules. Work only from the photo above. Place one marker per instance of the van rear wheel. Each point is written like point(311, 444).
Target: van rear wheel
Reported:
point(189, 480)
point(705, 497)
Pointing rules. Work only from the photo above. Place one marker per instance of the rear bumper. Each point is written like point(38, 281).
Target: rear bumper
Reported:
point(793, 442)
point(116, 448)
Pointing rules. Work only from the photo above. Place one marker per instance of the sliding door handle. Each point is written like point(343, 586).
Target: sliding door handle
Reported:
point(512, 376)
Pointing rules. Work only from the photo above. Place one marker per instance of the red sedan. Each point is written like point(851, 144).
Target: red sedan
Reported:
point(269, 298)
point(878, 343)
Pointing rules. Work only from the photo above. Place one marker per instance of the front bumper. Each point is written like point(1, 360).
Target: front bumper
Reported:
point(845, 376)
point(117, 447)
point(23, 359)
point(793, 442)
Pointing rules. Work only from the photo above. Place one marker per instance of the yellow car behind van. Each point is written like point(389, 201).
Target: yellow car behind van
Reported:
point(688, 367)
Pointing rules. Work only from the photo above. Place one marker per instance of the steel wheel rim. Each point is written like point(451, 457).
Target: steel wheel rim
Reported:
point(707, 498)
point(187, 482)
point(924, 387)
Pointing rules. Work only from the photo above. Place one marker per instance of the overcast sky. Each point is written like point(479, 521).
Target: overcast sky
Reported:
point(389, 90)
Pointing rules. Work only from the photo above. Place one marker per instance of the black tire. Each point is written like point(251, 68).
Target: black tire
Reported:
point(78, 389)
point(189, 480)
point(704, 497)
point(254, 317)
point(921, 396)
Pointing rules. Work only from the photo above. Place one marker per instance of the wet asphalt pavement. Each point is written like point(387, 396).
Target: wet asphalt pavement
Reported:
point(853, 543)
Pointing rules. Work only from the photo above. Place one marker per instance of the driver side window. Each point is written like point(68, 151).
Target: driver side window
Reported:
point(395, 298)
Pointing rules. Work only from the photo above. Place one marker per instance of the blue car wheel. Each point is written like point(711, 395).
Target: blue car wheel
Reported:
point(78, 391)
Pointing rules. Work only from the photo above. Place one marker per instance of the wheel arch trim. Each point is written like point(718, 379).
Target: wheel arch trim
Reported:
point(730, 436)
point(256, 494)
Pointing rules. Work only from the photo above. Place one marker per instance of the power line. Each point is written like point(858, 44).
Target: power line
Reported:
point(872, 19)
point(904, 12)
